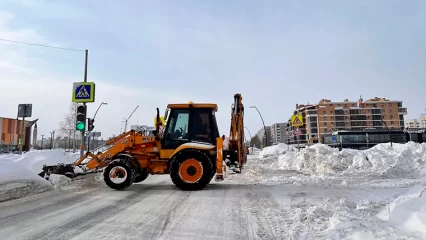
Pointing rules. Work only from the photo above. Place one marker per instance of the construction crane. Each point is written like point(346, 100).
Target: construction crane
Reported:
point(190, 150)
point(127, 119)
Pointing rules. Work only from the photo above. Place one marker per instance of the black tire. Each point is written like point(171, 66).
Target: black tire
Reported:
point(202, 158)
point(141, 176)
point(129, 174)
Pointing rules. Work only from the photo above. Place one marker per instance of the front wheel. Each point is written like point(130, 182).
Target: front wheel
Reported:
point(119, 174)
point(191, 169)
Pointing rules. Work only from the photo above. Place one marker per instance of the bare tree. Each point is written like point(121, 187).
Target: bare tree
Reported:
point(67, 125)
point(256, 141)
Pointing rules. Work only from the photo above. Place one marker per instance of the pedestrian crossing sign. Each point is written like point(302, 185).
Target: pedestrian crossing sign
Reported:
point(296, 121)
point(83, 92)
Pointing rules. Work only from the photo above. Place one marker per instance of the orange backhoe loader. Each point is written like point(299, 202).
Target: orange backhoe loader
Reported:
point(190, 150)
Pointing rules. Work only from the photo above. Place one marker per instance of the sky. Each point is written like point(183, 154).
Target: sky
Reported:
point(150, 53)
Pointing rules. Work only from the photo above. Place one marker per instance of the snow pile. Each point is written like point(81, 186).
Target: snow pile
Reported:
point(275, 150)
point(19, 173)
point(254, 150)
point(17, 181)
point(382, 160)
point(408, 211)
point(34, 160)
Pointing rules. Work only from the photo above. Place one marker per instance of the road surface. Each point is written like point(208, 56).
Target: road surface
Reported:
point(241, 207)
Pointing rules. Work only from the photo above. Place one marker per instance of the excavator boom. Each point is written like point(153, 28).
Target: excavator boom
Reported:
point(237, 150)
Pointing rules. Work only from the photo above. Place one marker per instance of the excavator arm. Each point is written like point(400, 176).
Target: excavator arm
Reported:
point(94, 161)
point(237, 149)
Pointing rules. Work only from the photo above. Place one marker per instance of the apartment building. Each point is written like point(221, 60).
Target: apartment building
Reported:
point(327, 116)
point(416, 123)
point(278, 133)
point(422, 122)
point(412, 123)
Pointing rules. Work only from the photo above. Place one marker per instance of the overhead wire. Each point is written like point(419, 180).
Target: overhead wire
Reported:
point(41, 45)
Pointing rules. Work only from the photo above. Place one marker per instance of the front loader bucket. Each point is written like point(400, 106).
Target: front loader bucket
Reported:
point(60, 169)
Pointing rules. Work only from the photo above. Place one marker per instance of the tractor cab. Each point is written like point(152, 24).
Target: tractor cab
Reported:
point(193, 122)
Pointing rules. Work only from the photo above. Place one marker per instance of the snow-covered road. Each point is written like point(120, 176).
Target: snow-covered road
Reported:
point(154, 209)
point(262, 203)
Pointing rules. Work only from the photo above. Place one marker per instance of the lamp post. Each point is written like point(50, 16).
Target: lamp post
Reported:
point(103, 103)
point(251, 139)
point(383, 121)
point(264, 127)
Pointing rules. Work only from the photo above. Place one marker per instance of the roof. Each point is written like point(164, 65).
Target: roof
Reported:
point(193, 105)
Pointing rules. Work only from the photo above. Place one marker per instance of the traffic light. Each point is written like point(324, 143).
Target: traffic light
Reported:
point(90, 125)
point(80, 125)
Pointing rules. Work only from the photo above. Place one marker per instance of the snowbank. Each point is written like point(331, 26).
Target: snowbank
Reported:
point(383, 160)
point(408, 211)
point(34, 160)
point(275, 150)
point(17, 181)
point(254, 150)
point(19, 173)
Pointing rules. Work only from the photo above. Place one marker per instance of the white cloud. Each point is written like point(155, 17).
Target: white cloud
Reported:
point(26, 80)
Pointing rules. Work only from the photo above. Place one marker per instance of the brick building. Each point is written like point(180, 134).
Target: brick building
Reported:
point(327, 116)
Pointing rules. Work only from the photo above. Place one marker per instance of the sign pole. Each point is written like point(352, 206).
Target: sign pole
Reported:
point(84, 104)
point(23, 133)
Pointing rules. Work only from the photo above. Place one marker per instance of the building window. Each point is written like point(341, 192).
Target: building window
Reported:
point(324, 112)
point(325, 124)
point(346, 105)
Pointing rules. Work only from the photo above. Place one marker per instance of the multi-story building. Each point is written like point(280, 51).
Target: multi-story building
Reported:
point(327, 116)
point(416, 123)
point(422, 122)
point(277, 133)
point(412, 123)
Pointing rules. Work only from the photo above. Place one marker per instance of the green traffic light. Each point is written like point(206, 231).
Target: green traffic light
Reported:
point(80, 126)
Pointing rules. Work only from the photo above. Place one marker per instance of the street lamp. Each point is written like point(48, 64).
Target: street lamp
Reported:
point(383, 121)
point(251, 139)
point(264, 127)
point(103, 103)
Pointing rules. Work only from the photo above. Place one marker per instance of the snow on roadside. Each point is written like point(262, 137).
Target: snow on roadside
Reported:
point(34, 160)
point(19, 173)
point(17, 181)
point(382, 160)
point(275, 150)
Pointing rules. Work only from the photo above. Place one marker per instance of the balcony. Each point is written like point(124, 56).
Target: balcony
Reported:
point(402, 111)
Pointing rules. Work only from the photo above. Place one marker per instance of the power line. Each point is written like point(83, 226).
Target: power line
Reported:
point(41, 45)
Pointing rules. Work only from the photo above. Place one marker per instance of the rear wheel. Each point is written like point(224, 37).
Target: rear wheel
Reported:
point(191, 169)
point(119, 174)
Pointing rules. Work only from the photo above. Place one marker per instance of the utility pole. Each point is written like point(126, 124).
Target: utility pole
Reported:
point(84, 104)
point(69, 141)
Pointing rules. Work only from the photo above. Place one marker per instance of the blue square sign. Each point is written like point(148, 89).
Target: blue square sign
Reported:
point(83, 92)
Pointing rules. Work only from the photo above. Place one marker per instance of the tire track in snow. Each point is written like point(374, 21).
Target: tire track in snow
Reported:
point(82, 223)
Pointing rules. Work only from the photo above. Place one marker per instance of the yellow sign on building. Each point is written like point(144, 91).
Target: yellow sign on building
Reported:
point(296, 121)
